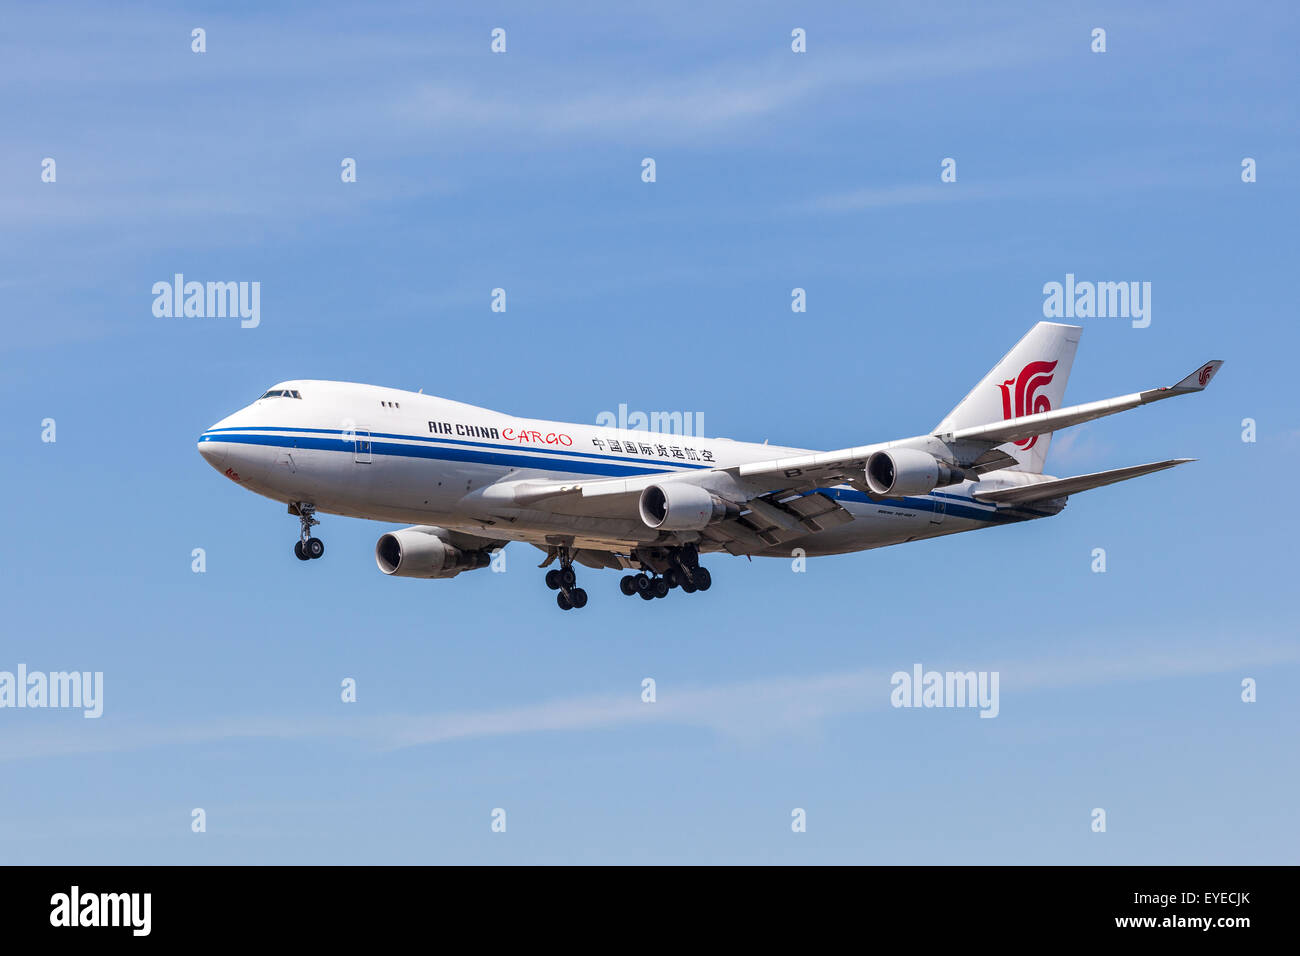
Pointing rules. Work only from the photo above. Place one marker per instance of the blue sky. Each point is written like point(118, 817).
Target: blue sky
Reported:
point(775, 170)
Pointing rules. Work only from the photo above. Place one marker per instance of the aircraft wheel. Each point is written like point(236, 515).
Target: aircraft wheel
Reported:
point(298, 552)
point(627, 584)
point(578, 598)
point(647, 595)
point(563, 601)
point(643, 583)
point(661, 587)
point(703, 580)
point(314, 548)
point(553, 579)
point(688, 587)
point(567, 577)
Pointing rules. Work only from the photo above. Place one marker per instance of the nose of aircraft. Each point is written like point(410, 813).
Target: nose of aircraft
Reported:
point(213, 450)
point(213, 453)
point(231, 448)
point(213, 444)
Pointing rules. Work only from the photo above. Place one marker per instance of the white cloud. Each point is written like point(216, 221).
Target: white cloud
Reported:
point(884, 196)
point(751, 711)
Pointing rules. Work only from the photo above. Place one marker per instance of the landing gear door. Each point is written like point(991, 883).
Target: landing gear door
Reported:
point(361, 448)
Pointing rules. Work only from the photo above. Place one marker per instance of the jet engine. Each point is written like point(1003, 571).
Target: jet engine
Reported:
point(677, 506)
point(422, 551)
point(896, 472)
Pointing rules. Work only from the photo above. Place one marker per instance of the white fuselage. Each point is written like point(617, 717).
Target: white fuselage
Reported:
point(385, 454)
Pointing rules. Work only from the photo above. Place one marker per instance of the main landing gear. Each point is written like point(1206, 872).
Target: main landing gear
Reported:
point(306, 547)
point(681, 570)
point(565, 580)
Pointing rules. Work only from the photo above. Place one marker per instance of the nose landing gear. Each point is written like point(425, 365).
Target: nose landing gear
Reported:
point(307, 547)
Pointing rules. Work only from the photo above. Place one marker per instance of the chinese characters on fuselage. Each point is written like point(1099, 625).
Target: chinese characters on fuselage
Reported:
point(525, 436)
point(661, 451)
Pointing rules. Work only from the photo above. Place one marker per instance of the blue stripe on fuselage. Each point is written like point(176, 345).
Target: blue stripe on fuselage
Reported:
point(542, 461)
point(549, 460)
point(549, 450)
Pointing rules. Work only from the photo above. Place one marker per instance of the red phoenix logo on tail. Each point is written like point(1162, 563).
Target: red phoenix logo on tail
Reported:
point(1204, 374)
point(1032, 377)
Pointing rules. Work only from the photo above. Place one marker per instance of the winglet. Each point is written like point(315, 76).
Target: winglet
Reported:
point(1198, 379)
point(1193, 383)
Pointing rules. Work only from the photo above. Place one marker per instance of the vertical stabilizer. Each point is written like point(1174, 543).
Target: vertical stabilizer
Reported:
point(1029, 379)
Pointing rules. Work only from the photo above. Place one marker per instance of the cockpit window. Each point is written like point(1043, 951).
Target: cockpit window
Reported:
point(281, 393)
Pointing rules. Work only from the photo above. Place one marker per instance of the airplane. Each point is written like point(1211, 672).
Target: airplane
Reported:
point(468, 480)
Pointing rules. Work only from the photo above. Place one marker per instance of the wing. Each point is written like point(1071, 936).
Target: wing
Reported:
point(760, 517)
point(975, 450)
point(781, 499)
point(1017, 429)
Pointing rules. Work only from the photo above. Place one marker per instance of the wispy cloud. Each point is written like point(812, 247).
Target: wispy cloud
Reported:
point(751, 711)
point(1077, 447)
point(878, 197)
point(612, 102)
point(1071, 183)
point(398, 102)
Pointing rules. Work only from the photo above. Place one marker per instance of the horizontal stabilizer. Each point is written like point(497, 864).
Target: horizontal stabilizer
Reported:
point(1060, 487)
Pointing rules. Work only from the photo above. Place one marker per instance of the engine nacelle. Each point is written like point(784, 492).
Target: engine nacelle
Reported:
point(897, 472)
point(419, 552)
point(677, 506)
